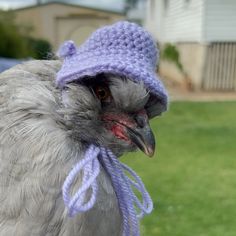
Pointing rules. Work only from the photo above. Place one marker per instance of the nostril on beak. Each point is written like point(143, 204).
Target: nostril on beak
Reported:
point(141, 120)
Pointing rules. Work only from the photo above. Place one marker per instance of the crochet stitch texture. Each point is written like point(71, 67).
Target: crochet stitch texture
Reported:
point(124, 49)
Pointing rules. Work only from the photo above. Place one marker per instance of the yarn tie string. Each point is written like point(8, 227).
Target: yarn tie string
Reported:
point(131, 208)
point(90, 167)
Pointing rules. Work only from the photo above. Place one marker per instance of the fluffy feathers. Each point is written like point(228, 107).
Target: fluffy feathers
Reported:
point(36, 154)
point(43, 133)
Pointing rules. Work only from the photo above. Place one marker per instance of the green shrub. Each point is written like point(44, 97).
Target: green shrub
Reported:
point(42, 49)
point(15, 41)
point(12, 44)
point(170, 53)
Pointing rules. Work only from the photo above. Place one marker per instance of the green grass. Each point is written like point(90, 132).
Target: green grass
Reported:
point(192, 178)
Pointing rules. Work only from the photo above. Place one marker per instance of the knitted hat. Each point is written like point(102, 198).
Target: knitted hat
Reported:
point(123, 49)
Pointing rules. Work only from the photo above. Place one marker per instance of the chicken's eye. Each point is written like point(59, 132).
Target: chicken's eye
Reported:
point(102, 93)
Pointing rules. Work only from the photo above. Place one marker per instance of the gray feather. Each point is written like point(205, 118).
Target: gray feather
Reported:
point(128, 96)
point(37, 150)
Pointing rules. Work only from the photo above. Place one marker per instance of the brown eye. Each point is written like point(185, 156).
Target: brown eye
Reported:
point(102, 93)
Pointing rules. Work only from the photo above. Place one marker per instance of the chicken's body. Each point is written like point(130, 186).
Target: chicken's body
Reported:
point(36, 154)
point(102, 97)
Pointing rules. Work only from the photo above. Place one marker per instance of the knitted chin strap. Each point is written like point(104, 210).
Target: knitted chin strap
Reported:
point(131, 208)
point(123, 49)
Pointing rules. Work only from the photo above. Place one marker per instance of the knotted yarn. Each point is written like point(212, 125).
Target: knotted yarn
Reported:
point(131, 208)
point(91, 168)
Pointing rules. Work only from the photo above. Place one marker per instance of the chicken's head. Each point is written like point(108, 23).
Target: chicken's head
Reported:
point(111, 111)
point(112, 83)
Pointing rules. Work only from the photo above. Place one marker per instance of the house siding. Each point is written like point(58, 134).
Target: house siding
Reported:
point(176, 20)
point(204, 33)
point(153, 19)
point(220, 21)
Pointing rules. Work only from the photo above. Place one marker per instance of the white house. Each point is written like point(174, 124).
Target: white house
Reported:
point(204, 32)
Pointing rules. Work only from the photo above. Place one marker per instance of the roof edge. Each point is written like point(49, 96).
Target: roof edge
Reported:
point(71, 5)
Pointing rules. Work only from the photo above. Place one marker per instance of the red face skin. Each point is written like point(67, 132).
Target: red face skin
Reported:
point(117, 124)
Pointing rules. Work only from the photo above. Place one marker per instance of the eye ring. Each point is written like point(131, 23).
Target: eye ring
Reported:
point(102, 93)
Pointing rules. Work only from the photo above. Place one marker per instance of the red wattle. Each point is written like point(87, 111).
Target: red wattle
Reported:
point(119, 132)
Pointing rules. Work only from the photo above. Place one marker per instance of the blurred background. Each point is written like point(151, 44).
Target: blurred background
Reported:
point(192, 178)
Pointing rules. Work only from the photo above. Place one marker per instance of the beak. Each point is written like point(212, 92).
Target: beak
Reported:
point(143, 137)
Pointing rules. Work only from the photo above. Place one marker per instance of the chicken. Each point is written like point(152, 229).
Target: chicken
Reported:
point(45, 129)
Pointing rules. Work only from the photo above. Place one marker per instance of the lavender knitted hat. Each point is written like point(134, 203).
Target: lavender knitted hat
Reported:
point(124, 49)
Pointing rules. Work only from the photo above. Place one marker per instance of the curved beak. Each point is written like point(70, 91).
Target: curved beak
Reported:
point(143, 137)
point(136, 130)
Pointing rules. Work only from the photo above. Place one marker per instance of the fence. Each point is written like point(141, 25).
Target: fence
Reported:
point(220, 67)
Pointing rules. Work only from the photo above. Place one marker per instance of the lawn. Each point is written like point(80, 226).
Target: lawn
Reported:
point(192, 178)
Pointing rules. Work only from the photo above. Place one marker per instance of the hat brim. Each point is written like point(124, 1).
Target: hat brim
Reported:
point(136, 72)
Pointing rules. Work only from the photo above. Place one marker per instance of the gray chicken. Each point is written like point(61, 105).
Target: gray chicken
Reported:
point(45, 129)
